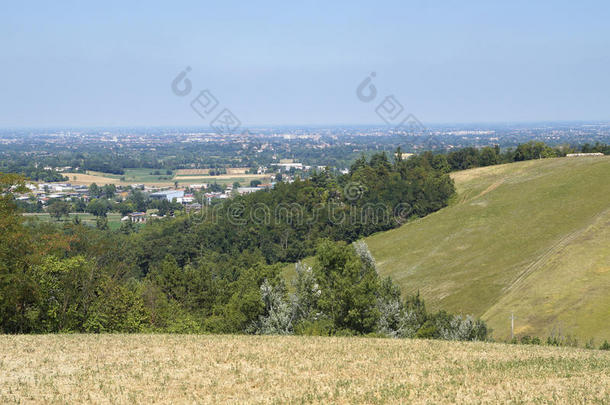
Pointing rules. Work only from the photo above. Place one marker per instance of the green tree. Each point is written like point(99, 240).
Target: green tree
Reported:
point(101, 223)
point(125, 208)
point(118, 307)
point(94, 190)
point(59, 209)
point(139, 200)
point(65, 292)
point(348, 286)
point(108, 191)
point(98, 207)
point(17, 289)
point(488, 157)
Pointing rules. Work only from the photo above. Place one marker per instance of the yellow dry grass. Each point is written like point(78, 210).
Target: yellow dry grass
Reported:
point(259, 369)
point(237, 170)
point(191, 172)
point(224, 176)
point(88, 179)
point(196, 172)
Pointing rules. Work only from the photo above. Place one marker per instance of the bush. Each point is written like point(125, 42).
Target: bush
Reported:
point(279, 313)
point(553, 341)
point(605, 346)
point(427, 331)
point(319, 327)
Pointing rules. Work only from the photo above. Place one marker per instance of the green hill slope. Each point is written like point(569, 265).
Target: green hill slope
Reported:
point(530, 237)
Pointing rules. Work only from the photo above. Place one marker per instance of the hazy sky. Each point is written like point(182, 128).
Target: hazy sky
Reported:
point(111, 63)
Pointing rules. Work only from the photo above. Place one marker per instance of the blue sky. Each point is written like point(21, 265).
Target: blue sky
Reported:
point(276, 63)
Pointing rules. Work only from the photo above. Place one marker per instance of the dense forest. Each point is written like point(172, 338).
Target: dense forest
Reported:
point(284, 223)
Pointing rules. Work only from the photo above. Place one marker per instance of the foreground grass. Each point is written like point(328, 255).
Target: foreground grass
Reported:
point(211, 369)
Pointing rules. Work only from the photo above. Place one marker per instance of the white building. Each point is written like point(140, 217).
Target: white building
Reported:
point(168, 195)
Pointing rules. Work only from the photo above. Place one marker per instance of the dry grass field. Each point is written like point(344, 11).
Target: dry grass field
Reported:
point(261, 369)
point(197, 172)
point(191, 172)
point(88, 179)
point(139, 176)
point(235, 177)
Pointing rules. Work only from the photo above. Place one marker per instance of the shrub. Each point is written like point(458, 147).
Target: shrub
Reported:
point(553, 341)
point(319, 327)
point(279, 313)
point(427, 331)
point(605, 346)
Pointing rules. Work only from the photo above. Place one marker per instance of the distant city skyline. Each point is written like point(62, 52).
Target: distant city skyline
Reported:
point(271, 64)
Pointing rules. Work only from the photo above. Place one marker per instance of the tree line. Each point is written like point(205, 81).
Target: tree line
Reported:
point(69, 277)
point(221, 270)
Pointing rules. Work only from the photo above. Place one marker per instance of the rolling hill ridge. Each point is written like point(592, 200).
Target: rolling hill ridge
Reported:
point(530, 238)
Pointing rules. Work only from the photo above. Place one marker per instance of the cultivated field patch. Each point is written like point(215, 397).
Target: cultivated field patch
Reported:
point(274, 369)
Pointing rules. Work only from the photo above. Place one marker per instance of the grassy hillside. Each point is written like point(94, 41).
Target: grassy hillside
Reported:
point(291, 369)
point(530, 237)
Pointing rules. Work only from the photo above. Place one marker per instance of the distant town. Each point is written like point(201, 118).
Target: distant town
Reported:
point(138, 174)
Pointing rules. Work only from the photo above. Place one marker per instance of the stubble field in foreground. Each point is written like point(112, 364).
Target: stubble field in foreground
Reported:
point(212, 369)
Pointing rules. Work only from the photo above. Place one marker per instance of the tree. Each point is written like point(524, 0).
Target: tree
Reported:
point(59, 209)
point(127, 227)
point(125, 208)
point(215, 187)
point(118, 307)
point(278, 314)
point(99, 208)
point(108, 191)
point(101, 223)
point(349, 287)
point(79, 205)
point(66, 289)
point(94, 190)
point(488, 157)
point(139, 200)
point(17, 289)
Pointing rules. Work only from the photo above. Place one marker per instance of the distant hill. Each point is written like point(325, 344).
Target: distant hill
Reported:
point(531, 238)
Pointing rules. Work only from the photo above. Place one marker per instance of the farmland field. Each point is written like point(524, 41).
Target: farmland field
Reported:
point(114, 219)
point(143, 176)
point(262, 369)
point(197, 172)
